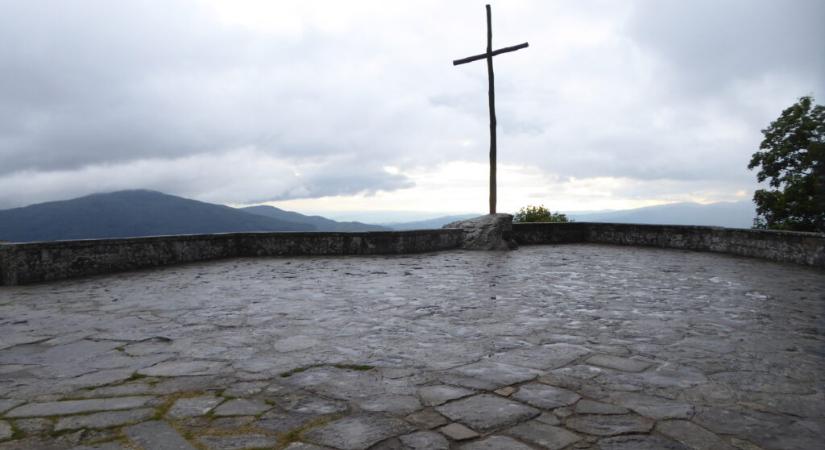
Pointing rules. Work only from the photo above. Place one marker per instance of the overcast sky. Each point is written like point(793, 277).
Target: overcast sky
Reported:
point(347, 107)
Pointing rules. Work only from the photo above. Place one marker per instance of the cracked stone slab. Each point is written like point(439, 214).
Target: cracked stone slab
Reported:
point(440, 394)
point(157, 435)
point(603, 425)
point(458, 432)
point(426, 418)
point(5, 430)
point(548, 418)
point(618, 363)
point(425, 440)
point(103, 446)
point(497, 373)
point(238, 442)
point(357, 431)
point(666, 377)
point(691, 435)
point(544, 435)
point(104, 419)
point(241, 407)
point(34, 425)
point(101, 378)
point(312, 405)
point(486, 412)
point(394, 404)
point(295, 343)
point(193, 406)
point(544, 357)
point(67, 407)
point(495, 443)
point(8, 403)
point(545, 396)
point(183, 368)
point(284, 421)
point(303, 446)
point(654, 407)
point(640, 442)
point(592, 407)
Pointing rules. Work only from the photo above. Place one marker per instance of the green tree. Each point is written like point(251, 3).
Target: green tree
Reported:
point(792, 158)
point(538, 214)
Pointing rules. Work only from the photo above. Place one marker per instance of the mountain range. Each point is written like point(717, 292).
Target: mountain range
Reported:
point(320, 223)
point(148, 213)
point(137, 213)
point(721, 214)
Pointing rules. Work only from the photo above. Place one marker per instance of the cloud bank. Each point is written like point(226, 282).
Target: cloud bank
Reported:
point(246, 101)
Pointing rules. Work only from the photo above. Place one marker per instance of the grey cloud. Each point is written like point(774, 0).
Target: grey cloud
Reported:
point(646, 90)
point(711, 44)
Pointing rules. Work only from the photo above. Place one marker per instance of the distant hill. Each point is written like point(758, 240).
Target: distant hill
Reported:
point(320, 223)
point(722, 214)
point(130, 214)
point(436, 222)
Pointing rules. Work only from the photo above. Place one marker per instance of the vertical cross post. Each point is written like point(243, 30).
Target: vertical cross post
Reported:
point(491, 94)
point(488, 55)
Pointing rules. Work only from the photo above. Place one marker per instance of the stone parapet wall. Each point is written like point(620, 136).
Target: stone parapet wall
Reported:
point(44, 261)
point(784, 246)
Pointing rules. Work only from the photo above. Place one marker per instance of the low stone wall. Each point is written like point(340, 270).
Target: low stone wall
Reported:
point(784, 246)
point(43, 261)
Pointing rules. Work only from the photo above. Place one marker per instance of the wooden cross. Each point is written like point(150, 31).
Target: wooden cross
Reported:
point(488, 55)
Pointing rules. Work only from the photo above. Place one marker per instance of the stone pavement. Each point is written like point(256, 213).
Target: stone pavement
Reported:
point(556, 347)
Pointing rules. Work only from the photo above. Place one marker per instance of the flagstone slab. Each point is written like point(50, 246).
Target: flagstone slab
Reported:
point(182, 368)
point(458, 432)
point(5, 430)
point(358, 431)
point(103, 419)
point(691, 435)
point(543, 435)
point(425, 440)
point(618, 363)
point(440, 394)
point(654, 407)
point(7, 404)
point(545, 357)
point(62, 408)
point(592, 407)
point(157, 435)
point(495, 443)
point(607, 425)
point(238, 442)
point(426, 418)
point(486, 412)
point(640, 442)
point(241, 407)
point(394, 404)
point(193, 406)
point(545, 396)
point(497, 373)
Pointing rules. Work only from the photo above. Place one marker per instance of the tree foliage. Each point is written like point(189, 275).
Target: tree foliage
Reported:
point(792, 159)
point(538, 214)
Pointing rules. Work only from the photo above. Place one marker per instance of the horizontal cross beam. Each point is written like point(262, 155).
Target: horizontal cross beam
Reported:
point(490, 54)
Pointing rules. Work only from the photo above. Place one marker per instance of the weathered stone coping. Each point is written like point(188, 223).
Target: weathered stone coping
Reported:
point(32, 262)
point(784, 246)
point(44, 261)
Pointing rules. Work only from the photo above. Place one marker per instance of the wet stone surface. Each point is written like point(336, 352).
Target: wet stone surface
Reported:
point(556, 347)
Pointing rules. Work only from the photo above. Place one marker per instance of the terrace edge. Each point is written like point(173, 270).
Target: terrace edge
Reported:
point(25, 263)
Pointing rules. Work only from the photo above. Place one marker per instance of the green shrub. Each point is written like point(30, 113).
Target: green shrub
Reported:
point(538, 214)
